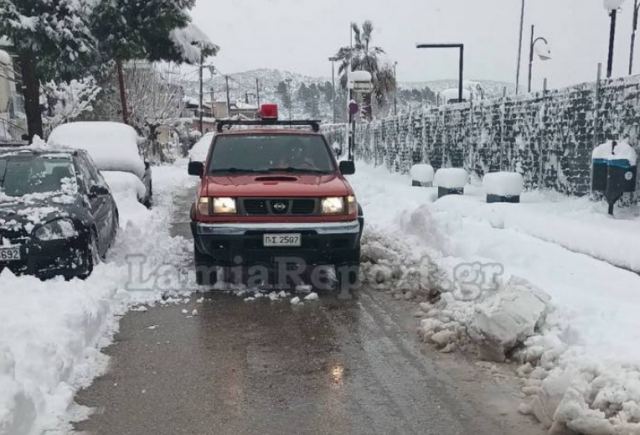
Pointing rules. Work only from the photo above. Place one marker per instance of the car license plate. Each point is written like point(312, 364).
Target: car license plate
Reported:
point(11, 253)
point(278, 240)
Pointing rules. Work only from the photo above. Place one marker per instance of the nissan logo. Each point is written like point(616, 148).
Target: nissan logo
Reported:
point(279, 206)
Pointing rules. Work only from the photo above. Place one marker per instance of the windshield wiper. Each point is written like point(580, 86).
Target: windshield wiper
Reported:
point(299, 170)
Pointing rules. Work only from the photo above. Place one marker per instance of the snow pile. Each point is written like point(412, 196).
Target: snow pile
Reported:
point(113, 146)
point(422, 173)
point(52, 332)
point(503, 183)
point(200, 150)
point(569, 320)
point(621, 151)
point(451, 178)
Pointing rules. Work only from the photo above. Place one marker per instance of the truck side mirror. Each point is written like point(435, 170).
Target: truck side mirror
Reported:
point(196, 169)
point(347, 167)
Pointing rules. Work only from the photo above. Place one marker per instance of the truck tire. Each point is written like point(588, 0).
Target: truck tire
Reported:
point(348, 272)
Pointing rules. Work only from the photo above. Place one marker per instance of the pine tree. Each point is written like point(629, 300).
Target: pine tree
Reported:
point(52, 40)
point(283, 93)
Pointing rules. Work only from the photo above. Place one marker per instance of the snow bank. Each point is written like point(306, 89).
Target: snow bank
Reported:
point(451, 178)
point(570, 320)
point(200, 150)
point(503, 183)
point(113, 146)
point(422, 173)
point(52, 332)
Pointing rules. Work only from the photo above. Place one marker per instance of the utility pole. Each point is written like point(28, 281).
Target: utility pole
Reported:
point(333, 88)
point(201, 91)
point(290, 98)
point(520, 48)
point(226, 78)
point(213, 103)
point(258, 91)
point(395, 92)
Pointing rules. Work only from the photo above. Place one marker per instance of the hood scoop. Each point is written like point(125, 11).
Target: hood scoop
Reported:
point(276, 179)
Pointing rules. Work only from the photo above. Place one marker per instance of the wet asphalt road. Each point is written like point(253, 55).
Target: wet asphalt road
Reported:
point(272, 368)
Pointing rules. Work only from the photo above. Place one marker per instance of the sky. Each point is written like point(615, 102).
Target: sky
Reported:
point(300, 36)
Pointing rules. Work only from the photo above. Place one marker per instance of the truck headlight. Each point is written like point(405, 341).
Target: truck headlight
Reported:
point(59, 229)
point(204, 206)
point(333, 205)
point(224, 206)
point(352, 205)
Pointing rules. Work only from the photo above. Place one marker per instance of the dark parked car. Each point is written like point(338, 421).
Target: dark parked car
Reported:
point(57, 215)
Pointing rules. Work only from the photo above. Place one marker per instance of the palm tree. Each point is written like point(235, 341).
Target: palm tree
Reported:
point(363, 56)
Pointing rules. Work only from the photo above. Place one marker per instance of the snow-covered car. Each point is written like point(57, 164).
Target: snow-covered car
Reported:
point(57, 214)
point(200, 149)
point(114, 148)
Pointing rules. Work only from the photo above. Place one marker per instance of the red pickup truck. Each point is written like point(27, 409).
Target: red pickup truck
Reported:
point(272, 195)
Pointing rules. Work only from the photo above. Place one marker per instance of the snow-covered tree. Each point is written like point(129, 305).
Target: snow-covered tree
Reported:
point(67, 101)
point(51, 39)
point(364, 56)
point(147, 30)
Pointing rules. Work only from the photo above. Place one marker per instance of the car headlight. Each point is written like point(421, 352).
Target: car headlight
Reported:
point(333, 205)
point(60, 229)
point(224, 206)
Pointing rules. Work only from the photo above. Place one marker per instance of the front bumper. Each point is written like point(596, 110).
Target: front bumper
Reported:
point(242, 244)
point(49, 259)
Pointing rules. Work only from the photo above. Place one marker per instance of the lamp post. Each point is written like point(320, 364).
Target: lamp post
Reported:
point(612, 6)
point(460, 68)
point(636, 6)
point(542, 56)
point(333, 88)
point(520, 48)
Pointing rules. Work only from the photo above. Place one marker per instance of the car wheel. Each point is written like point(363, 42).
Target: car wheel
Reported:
point(206, 272)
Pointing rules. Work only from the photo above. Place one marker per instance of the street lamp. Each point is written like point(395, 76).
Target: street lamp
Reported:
point(612, 6)
point(542, 54)
point(636, 6)
point(460, 67)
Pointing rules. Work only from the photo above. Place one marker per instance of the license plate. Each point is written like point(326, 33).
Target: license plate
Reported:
point(278, 240)
point(11, 253)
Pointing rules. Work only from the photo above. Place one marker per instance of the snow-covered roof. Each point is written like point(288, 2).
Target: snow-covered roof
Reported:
point(112, 145)
point(190, 41)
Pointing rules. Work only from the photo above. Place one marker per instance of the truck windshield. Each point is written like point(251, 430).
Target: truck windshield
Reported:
point(26, 174)
point(271, 153)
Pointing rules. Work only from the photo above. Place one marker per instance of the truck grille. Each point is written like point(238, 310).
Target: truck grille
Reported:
point(278, 206)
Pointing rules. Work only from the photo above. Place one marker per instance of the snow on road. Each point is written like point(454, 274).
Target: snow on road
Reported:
point(52, 332)
point(585, 350)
